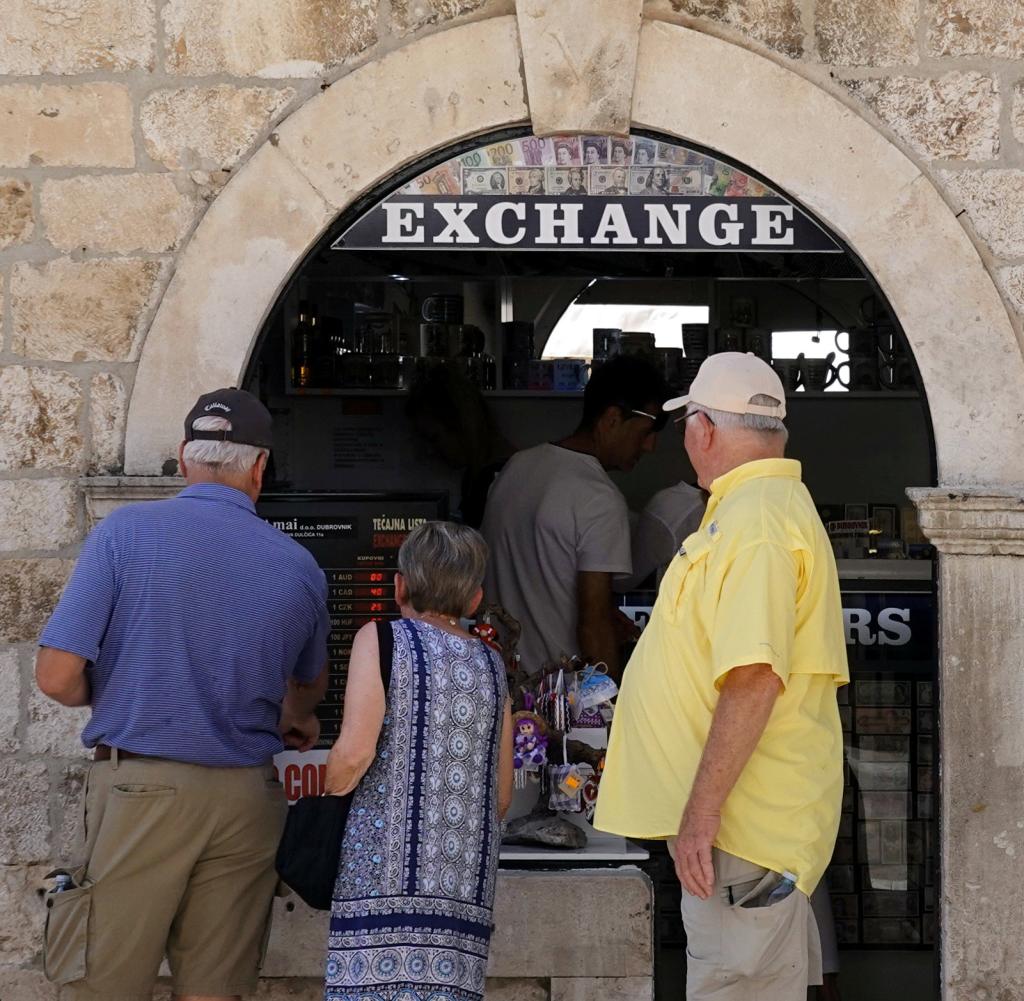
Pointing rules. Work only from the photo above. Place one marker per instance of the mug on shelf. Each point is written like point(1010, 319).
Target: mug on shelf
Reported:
point(819, 373)
point(606, 342)
point(569, 375)
point(541, 374)
point(790, 372)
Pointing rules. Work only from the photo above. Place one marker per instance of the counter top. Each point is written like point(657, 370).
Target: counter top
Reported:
point(601, 847)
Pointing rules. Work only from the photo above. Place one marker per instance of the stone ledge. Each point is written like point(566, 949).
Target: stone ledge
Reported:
point(104, 494)
point(980, 521)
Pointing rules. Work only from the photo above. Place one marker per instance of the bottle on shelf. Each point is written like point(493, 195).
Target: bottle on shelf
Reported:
point(477, 365)
point(303, 348)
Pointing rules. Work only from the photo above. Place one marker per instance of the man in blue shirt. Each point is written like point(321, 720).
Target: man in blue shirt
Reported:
point(197, 633)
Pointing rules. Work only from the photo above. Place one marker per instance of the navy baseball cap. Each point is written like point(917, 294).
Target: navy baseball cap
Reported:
point(251, 423)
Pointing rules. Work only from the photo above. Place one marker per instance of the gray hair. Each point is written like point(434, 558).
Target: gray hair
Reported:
point(443, 565)
point(759, 423)
point(226, 456)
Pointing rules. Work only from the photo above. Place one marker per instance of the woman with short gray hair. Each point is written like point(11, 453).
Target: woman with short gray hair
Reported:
point(426, 744)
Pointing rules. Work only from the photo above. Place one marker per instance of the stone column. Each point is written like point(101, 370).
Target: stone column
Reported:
point(980, 538)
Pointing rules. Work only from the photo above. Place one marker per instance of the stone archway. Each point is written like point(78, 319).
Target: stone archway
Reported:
point(469, 80)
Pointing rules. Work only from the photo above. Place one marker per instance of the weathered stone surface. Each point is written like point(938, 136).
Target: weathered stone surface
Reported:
point(39, 418)
point(854, 33)
point(994, 200)
point(1017, 112)
point(249, 240)
point(70, 841)
point(775, 23)
point(207, 128)
point(977, 28)
point(449, 85)
point(290, 989)
point(1011, 280)
point(37, 514)
point(16, 218)
point(27, 985)
point(10, 704)
point(615, 940)
point(602, 989)
point(579, 81)
point(24, 837)
point(290, 38)
point(116, 213)
point(22, 926)
point(412, 14)
point(107, 408)
point(955, 116)
point(88, 125)
point(76, 37)
point(517, 989)
point(29, 590)
point(80, 310)
point(53, 729)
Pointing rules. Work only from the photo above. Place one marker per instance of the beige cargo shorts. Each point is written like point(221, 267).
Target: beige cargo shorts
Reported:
point(179, 861)
point(737, 951)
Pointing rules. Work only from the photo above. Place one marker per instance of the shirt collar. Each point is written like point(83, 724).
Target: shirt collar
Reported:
point(757, 469)
point(219, 492)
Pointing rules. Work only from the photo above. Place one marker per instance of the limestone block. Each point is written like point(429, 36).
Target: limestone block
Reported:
point(108, 402)
point(27, 985)
point(603, 989)
point(289, 38)
point(69, 842)
point(23, 916)
point(105, 494)
point(1011, 280)
point(53, 729)
point(10, 703)
point(39, 418)
point(80, 310)
point(116, 213)
point(612, 936)
point(29, 590)
point(579, 72)
point(444, 87)
point(77, 37)
point(955, 116)
point(412, 14)
point(87, 125)
point(1017, 112)
point(774, 23)
point(517, 989)
point(298, 940)
point(872, 33)
point(240, 255)
point(16, 218)
point(977, 28)
point(38, 514)
point(207, 128)
point(994, 200)
point(24, 837)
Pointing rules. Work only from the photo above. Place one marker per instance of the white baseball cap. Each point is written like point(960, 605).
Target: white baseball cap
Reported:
point(729, 381)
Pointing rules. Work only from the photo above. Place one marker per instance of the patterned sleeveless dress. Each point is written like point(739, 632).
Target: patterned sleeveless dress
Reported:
point(411, 916)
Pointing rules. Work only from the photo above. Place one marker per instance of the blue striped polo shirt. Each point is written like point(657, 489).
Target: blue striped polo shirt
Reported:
point(193, 613)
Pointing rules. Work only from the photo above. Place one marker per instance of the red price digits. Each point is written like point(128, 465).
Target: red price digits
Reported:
point(376, 606)
point(376, 578)
point(377, 592)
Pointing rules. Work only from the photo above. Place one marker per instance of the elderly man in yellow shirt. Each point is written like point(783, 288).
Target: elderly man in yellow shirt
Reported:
point(727, 741)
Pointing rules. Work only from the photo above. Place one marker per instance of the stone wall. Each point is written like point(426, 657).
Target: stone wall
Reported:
point(121, 120)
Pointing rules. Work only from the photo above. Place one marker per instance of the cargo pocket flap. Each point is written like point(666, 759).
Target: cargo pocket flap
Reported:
point(66, 934)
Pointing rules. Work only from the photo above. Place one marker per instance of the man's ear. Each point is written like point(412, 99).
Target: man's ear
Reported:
point(259, 469)
point(610, 419)
point(182, 468)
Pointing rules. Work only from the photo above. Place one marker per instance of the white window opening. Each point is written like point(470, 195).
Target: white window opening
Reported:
point(573, 336)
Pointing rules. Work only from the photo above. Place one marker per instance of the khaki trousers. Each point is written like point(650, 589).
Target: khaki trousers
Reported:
point(749, 953)
point(179, 862)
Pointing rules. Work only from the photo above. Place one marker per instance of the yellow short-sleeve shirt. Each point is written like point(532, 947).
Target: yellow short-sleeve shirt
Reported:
point(756, 583)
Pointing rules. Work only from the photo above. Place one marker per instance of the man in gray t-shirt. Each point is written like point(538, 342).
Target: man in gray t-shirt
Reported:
point(558, 528)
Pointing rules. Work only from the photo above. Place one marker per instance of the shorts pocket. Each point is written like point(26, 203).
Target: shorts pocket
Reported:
point(138, 790)
point(66, 934)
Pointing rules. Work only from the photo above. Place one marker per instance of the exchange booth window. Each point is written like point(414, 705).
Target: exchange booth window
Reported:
point(456, 316)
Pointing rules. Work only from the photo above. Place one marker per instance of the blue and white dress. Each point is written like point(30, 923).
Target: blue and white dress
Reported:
point(412, 913)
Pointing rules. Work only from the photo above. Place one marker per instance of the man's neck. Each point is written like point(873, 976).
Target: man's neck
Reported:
point(581, 441)
point(193, 479)
point(736, 458)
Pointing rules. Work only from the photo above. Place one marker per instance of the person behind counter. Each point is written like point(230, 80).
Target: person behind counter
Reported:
point(727, 740)
point(426, 743)
point(197, 633)
point(558, 527)
point(450, 413)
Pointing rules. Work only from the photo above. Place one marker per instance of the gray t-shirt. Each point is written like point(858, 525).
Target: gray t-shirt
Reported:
point(551, 514)
point(669, 517)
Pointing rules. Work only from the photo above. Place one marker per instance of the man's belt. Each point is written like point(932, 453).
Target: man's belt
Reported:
point(103, 752)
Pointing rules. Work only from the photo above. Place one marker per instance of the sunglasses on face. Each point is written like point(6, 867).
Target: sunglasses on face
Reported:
point(658, 420)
